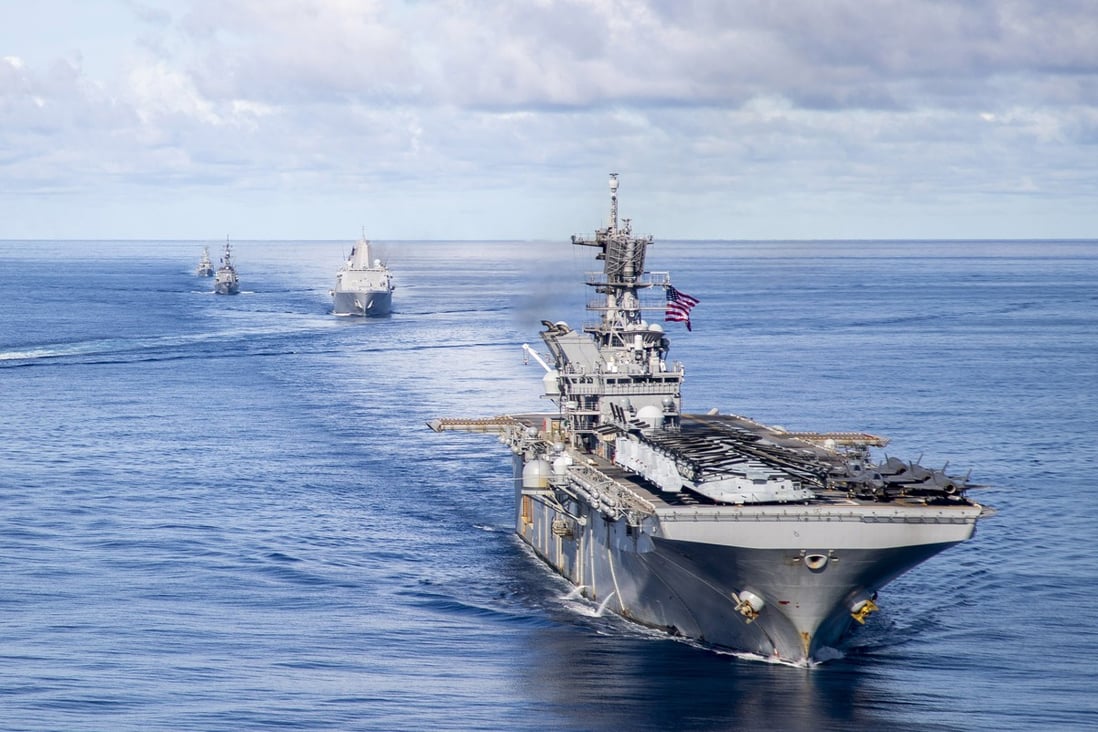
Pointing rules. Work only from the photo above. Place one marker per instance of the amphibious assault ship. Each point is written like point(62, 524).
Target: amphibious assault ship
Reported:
point(362, 288)
point(712, 526)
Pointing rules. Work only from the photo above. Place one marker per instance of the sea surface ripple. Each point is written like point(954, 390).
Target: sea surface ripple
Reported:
point(227, 513)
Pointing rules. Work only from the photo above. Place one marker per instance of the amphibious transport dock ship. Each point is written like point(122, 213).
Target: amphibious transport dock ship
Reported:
point(712, 526)
point(362, 288)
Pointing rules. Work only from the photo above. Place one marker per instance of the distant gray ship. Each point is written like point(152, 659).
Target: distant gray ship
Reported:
point(362, 287)
point(205, 266)
point(712, 526)
point(226, 281)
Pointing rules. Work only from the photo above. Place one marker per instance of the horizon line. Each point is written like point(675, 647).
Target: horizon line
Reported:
point(548, 240)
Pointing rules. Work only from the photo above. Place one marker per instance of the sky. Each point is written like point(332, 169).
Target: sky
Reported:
point(479, 119)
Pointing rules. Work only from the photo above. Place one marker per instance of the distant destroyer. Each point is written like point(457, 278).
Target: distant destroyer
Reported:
point(226, 281)
point(711, 526)
point(205, 267)
point(362, 287)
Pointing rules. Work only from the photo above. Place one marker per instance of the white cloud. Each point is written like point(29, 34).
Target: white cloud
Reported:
point(159, 91)
point(725, 109)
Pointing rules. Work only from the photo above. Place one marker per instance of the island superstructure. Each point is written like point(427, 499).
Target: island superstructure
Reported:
point(712, 526)
point(362, 287)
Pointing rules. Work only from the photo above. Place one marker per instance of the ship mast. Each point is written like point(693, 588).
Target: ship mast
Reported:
point(614, 202)
point(622, 277)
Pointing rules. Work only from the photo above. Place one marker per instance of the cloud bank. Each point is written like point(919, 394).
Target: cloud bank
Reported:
point(467, 119)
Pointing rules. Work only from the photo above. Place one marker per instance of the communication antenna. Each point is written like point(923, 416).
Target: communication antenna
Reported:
point(613, 203)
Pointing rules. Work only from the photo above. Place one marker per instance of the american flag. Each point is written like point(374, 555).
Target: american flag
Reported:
point(679, 305)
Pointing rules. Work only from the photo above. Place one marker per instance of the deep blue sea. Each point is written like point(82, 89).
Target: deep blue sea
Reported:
point(227, 513)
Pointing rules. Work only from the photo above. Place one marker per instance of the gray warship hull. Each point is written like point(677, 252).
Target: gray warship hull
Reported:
point(227, 287)
point(226, 281)
point(681, 569)
point(365, 304)
point(205, 266)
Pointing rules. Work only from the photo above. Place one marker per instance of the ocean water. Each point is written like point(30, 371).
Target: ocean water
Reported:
point(227, 513)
